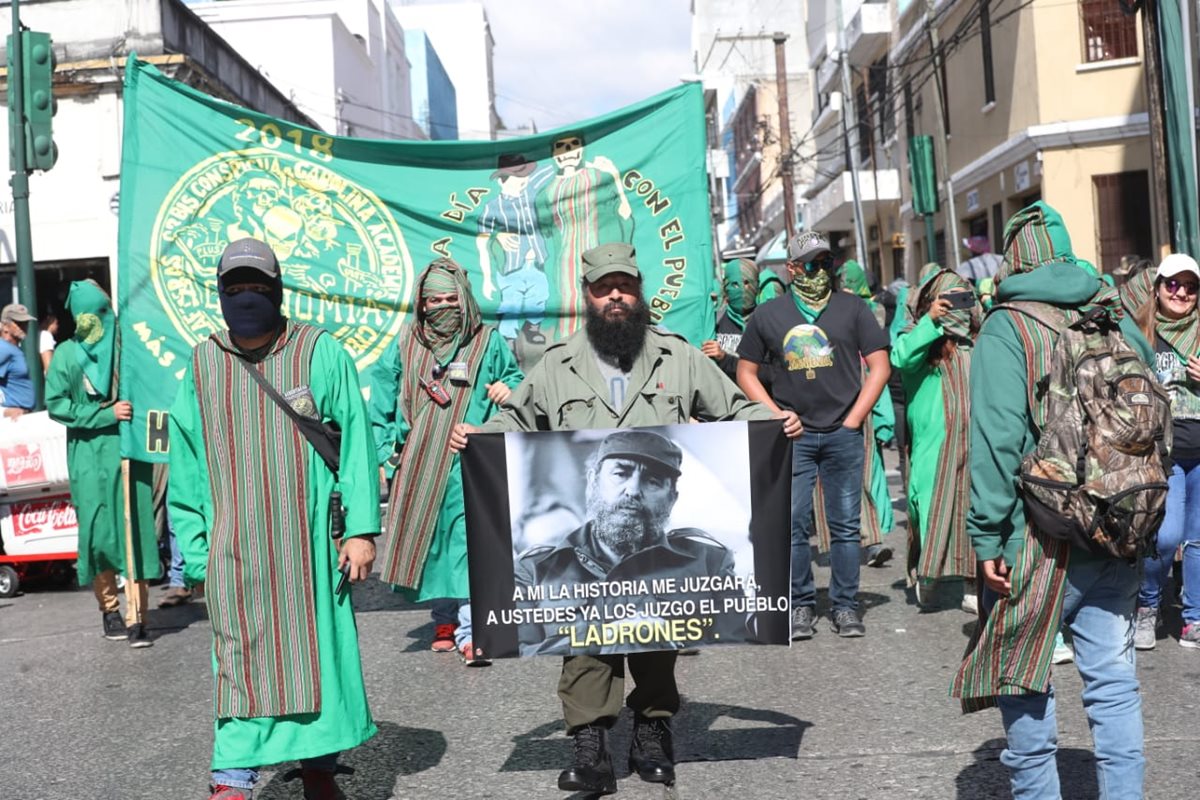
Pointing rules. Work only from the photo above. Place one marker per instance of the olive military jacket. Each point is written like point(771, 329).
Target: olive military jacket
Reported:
point(671, 383)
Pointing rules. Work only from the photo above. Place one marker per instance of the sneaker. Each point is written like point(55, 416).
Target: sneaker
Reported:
point(592, 770)
point(651, 753)
point(803, 623)
point(1145, 630)
point(847, 624)
point(221, 792)
point(114, 626)
point(320, 785)
point(139, 637)
point(1190, 637)
point(970, 602)
point(1063, 654)
point(443, 638)
point(878, 555)
point(472, 656)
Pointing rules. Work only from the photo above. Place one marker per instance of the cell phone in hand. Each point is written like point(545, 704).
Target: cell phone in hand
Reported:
point(958, 300)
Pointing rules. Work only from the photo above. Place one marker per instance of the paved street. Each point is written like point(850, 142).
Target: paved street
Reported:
point(87, 719)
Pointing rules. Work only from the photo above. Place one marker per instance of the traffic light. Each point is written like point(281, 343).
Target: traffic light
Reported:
point(37, 56)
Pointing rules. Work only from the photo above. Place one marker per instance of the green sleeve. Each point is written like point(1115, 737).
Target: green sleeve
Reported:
point(883, 416)
point(84, 414)
point(383, 379)
point(500, 365)
point(525, 409)
point(336, 390)
point(715, 397)
point(189, 497)
point(1000, 436)
point(910, 351)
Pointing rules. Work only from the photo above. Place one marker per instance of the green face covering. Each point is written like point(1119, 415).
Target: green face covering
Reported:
point(739, 303)
point(813, 288)
point(95, 334)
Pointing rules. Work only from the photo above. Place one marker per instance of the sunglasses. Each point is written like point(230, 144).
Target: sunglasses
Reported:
point(810, 267)
point(1189, 287)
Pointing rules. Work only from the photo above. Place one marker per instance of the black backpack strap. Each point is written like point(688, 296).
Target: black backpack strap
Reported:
point(324, 439)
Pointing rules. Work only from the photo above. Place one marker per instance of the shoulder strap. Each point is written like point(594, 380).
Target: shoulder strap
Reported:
point(1046, 315)
point(325, 441)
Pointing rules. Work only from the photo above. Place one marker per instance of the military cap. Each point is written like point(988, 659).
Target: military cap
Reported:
point(606, 259)
point(644, 446)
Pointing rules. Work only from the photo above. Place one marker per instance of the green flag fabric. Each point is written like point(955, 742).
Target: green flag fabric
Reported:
point(353, 220)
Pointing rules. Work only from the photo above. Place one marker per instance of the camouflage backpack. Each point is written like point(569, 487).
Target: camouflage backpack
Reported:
point(1098, 475)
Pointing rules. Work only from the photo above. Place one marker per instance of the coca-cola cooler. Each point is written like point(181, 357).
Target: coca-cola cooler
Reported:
point(37, 521)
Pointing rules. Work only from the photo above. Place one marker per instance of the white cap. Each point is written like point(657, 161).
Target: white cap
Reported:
point(1176, 263)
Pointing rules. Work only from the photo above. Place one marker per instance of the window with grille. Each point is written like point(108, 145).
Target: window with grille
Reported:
point(1108, 32)
point(1122, 217)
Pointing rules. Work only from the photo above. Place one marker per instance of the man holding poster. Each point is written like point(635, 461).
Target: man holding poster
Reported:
point(619, 372)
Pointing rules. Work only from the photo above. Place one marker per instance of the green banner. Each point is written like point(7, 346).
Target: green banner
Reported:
point(353, 220)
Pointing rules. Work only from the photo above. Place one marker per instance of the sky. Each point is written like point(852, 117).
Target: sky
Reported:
point(557, 62)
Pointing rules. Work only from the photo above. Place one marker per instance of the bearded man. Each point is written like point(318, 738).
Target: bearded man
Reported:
point(619, 372)
point(631, 491)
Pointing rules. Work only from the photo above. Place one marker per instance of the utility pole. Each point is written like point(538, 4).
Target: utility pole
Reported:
point(1159, 188)
point(940, 142)
point(848, 120)
point(785, 137)
point(26, 282)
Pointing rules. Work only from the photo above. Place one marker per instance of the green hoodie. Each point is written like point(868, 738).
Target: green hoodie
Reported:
point(1001, 425)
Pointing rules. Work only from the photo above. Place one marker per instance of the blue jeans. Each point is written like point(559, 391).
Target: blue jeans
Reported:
point(175, 571)
point(462, 634)
point(1181, 525)
point(245, 778)
point(837, 457)
point(1098, 610)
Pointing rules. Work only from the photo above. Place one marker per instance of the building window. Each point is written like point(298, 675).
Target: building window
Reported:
point(998, 228)
point(910, 108)
point(1108, 32)
point(1122, 217)
point(863, 111)
point(877, 82)
point(985, 39)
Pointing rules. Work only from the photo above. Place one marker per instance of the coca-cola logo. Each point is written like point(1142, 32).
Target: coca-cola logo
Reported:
point(23, 464)
point(43, 517)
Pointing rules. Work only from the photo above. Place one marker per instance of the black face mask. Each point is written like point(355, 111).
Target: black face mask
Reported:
point(252, 314)
point(619, 340)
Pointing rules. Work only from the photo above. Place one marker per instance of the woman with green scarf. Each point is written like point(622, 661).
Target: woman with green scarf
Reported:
point(1163, 303)
point(933, 358)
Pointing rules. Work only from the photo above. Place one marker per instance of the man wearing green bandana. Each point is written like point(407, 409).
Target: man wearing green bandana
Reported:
point(820, 338)
point(81, 393)
point(1032, 583)
point(445, 343)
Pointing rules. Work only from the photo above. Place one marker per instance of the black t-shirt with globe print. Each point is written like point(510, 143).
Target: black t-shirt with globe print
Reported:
point(818, 370)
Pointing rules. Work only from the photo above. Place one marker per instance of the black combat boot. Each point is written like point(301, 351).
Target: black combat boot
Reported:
point(651, 753)
point(592, 770)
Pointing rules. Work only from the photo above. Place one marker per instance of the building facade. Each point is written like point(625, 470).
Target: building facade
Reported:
point(342, 61)
point(434, 101)
point(1045, 101)
point(73, 207)
point(733, 52)
point(462, 36)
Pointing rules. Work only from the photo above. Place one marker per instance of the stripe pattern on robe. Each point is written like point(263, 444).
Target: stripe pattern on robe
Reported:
point(259, 590)
point(1010, 650)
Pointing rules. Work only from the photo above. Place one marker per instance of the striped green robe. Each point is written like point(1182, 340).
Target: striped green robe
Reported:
point(286, 663)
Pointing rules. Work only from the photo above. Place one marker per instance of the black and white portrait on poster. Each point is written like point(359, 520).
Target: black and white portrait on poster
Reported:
point(629, 540)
